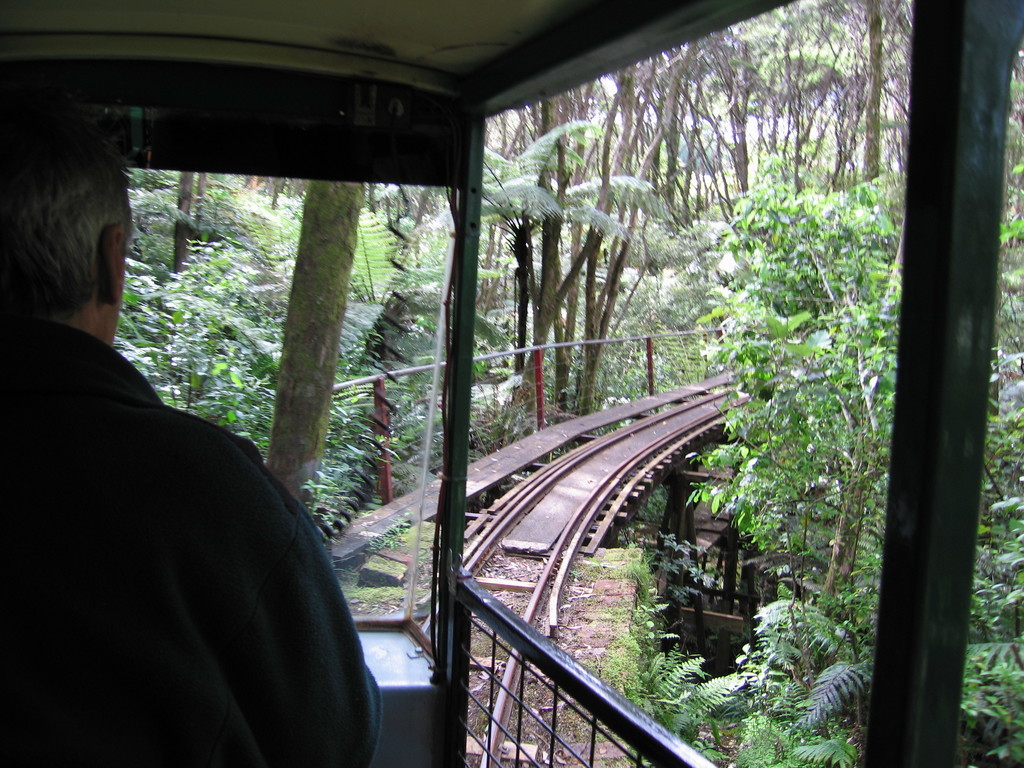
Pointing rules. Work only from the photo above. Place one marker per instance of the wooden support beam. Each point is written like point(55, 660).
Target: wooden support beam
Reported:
point(716, 621)
point(506, 585)
point(702, 476)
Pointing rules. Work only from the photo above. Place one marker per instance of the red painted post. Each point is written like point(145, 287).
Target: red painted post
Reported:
point(650, 365)
point(382, 427)
point(538, 383)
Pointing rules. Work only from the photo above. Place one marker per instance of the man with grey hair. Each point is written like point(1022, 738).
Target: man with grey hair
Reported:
point(165, 601)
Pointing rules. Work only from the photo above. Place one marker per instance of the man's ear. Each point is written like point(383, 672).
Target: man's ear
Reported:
point(110, 272)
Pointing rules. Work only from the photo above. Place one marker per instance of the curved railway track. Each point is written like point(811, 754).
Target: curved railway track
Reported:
point(612, 467)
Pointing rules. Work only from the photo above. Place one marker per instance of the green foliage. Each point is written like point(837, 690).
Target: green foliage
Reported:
point(993, 701)
point(767, 744)
point(993, 683)
point(391, 538)
point(837, 689)
point(809, 320)
point(809, 329)
point(831, 752)
point(804, 667)
point(373, 267)
point(204, 339)
point(675, 691)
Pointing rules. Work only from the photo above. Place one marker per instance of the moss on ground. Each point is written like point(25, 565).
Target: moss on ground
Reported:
point(626, 653)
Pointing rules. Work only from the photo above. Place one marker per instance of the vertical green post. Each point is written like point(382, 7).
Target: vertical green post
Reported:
point(452, 502)
point(963, 51)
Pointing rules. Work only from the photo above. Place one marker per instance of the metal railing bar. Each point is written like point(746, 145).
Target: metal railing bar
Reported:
point(522, 707)
point(550, 730)
point(623, 717)
point(371, 378)
point(487, 746)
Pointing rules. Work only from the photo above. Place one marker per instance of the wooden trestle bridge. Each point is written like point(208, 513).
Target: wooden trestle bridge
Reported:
point(566, 489)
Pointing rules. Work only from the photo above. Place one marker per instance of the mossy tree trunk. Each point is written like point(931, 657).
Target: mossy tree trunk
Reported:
point(876, 82)
point(312, 331)
point(183, 229)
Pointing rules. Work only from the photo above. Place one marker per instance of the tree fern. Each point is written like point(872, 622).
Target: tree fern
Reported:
point(627, 191)
point(599, 220)
point(359, 321)
point(519, 197)
point(836, 688)
point(542, 153)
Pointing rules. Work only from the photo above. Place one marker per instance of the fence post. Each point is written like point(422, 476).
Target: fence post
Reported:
point(538, 383)
point(650, 365)
point(382, 427)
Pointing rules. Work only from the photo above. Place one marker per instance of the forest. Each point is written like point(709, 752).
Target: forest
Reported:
point(750, 182)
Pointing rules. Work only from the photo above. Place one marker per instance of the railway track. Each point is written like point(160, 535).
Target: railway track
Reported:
point(571, 504)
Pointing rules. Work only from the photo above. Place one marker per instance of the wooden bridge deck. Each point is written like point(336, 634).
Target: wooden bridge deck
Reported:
point(488, 472)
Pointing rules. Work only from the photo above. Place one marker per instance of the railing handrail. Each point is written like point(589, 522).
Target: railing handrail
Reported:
point(653, 741)
point(395, 374)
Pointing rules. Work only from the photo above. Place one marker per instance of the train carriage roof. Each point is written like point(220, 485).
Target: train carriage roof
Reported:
point(385, 77)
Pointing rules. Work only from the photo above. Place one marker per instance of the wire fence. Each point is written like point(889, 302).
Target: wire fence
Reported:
point(555, 713)
point(516, 392)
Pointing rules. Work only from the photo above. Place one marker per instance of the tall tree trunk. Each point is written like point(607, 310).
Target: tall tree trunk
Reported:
point(546, 304)
point(873, 116)
point(309, 358)
point(591, 329)
point(522, 249)
point(183, 229)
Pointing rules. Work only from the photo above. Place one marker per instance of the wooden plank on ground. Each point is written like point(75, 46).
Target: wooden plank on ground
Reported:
point(505, 585)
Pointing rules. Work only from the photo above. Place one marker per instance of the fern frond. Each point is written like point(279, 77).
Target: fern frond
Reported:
point(372, 263)
point(627, 191)
point(541, 154)
point(991, 654)
point(674, 690)
point(598, 220)
point(774, 614)
point(836, 688)
point(360, 319)
point(833, 753)
point(714, 693)
point(519, 197)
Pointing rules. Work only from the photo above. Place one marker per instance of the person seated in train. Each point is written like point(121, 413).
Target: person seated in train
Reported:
point(165, 600)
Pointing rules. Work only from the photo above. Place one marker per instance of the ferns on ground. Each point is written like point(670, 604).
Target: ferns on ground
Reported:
point(836, 689)
point(676, 692)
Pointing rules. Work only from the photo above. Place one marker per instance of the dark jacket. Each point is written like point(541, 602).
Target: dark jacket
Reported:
point(164, 601)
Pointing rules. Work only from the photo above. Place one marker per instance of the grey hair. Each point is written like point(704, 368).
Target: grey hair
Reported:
point(62, 182)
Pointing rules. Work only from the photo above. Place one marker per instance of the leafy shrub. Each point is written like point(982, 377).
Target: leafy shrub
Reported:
point(767, 744)
point(204, 339)
point(993, 702)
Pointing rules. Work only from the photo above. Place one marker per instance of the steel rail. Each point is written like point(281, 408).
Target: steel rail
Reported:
point(696, 432)
point(560, 554)
point(588, 511)
point(516, 503)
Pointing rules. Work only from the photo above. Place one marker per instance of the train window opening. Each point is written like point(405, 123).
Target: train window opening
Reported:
point(209, 286)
